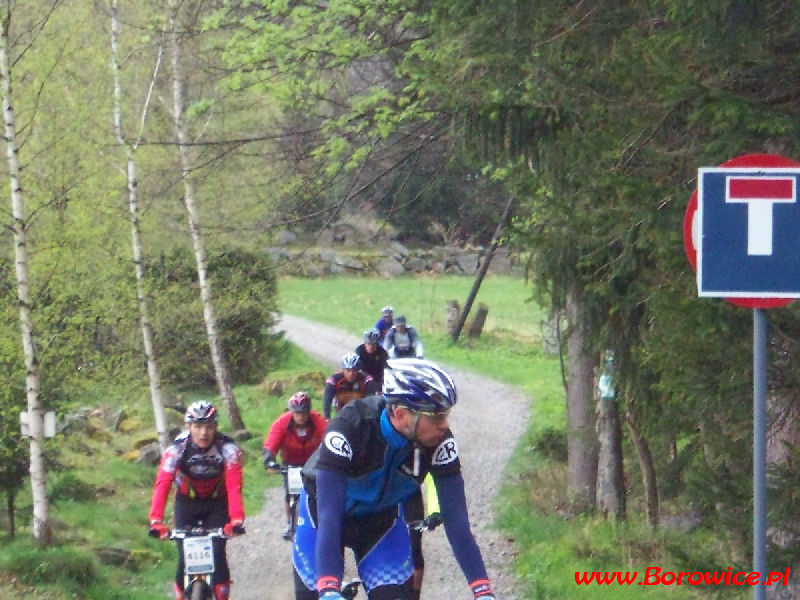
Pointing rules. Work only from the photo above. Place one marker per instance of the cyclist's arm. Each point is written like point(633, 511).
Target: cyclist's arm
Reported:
point(388, 343)
point(164, 478)
point(327, 398)
point(431, 497)
point(453, 504)
point(331, 488)
point(233, 482)
point(274, 439)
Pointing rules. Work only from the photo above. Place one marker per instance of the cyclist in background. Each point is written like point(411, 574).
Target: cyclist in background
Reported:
point(346, 385)
point(385, 323)
point(295, 435)
point(372, 356)
point(375, 455)
point(206, 467)
point(403, 341)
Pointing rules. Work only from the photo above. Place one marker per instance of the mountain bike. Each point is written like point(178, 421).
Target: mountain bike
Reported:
point(198, 559)
point(293, 485)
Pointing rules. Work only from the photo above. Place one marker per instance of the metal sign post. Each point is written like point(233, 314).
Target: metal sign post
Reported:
point(759, 449)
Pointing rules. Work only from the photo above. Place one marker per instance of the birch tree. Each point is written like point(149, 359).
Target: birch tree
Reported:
point(214, 342)
point(41, 512)
point(153, 372)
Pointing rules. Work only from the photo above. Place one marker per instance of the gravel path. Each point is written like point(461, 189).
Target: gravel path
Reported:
point(261, 560)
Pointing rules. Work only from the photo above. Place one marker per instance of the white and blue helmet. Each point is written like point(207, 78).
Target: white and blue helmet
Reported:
point(372, 336)
point(351, 360)
point(419, 384)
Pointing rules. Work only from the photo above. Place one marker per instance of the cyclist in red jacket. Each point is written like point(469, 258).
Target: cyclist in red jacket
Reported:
point(295, 434)
point(206, 468)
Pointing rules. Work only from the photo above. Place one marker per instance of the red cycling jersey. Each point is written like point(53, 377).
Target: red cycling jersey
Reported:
point(295, 443)
point(215, 472)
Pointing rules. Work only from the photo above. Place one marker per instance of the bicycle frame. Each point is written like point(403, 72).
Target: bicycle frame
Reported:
point(293, 484)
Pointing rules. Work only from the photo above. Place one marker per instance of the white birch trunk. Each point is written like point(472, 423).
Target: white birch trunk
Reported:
point(154, 375)
point(220, 368)
point(41, 511)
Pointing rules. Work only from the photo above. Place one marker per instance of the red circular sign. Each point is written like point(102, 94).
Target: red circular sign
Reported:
point(746, 160)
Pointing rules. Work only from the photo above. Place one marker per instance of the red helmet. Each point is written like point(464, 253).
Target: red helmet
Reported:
point(300, 402)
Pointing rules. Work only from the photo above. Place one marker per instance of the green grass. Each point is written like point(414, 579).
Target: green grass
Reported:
point(551, 544)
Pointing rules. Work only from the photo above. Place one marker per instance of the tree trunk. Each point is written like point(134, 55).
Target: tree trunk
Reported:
point(217, 356)
point(482, 271)
point(645, 460)
point(41, 512)
point(610, 485)
point(783, 434)
point(12, 529)
point(153, 372)
point(581, 437)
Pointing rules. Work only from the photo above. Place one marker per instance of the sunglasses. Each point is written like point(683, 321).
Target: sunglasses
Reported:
point(436, 417)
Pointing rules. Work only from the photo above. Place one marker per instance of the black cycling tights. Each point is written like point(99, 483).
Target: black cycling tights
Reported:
point(384, 592)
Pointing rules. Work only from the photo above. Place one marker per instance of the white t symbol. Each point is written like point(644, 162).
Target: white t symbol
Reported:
point(741, 189)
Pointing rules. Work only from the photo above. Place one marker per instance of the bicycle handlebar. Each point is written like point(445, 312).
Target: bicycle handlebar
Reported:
point(429, 523)
point(179, 534)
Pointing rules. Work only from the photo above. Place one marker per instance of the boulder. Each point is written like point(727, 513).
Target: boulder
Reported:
point(398, 248)
point(390, 267)
point(468, 262)
point(150, 454)
point(417, 265)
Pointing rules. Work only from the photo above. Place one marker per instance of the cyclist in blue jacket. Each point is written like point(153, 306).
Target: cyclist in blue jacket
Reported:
point(374, 456)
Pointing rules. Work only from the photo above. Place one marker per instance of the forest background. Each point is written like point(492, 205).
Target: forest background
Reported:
point(421, 121)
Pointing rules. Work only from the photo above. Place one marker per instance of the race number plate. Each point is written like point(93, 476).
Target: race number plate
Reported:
point(294, 480)
point(198, 555)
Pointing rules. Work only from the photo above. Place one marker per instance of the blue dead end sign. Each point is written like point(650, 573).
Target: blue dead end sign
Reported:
point(741, 230)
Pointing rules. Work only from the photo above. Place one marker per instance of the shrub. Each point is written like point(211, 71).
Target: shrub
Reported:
point(244, 314)
point(35, 566)
point(552, 443)
point(68, 487)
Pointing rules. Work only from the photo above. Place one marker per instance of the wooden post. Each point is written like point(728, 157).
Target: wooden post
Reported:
point(476, 328)
point(453, 311)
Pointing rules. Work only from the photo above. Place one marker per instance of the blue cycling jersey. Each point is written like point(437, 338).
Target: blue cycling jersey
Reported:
point(361, 472)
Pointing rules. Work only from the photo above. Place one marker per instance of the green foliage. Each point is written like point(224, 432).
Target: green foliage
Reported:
point(68, 487)
point(36, 566)
point(244, 306)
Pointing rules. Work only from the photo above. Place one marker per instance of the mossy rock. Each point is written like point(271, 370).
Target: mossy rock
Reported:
point(100, 435)
point(130, 424)
point(130, 456)
point(144, 441)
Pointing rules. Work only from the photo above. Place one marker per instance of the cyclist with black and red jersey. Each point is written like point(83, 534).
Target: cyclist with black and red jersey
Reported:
point(372, 356)
point(206, 468)
point(295, 435)
point(346, 385)
point(374, 456)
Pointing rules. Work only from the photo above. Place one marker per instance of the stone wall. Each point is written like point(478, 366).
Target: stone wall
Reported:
point(392, 260)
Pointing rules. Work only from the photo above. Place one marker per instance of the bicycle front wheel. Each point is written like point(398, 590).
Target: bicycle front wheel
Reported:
point(200, 590)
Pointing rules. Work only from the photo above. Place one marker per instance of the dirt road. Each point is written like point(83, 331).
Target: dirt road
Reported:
point(488, 421)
